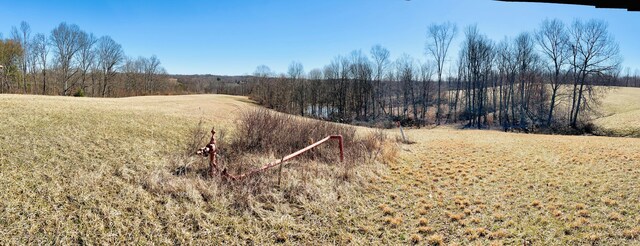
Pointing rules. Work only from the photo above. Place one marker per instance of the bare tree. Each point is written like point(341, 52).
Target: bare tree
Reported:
point(381, 63)
point(66, 43)
point(595, 54)
point(86, 56)
point(133, 73)
point(360, 73)
point(151, 69)
point(453, 107)
point(138, 76)
point(110, 54)
point(525, 57)
point(627, 77)
point(295, 72)
point(264, 89)
point(77, 57)
point(507, 70)
point(32, 63)
point(426, 71)
point(479, 54)
point(334, 75)
point(96, 74)
point(405, 74)
point(315, 91)
point(41, 49)
point(23, 37)
point(553, 41)
point(439, 38)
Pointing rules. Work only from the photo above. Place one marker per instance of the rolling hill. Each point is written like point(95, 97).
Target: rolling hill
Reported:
point(93, 170)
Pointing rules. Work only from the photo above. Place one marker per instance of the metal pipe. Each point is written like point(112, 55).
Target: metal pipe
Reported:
point(288, 157)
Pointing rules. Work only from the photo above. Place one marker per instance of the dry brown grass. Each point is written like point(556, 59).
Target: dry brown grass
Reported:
point(416, 238)
point(425, 229)
point(436, 240)
point(103, 171)
point(489, 187)
point(261, 131)
point(619, 114)
point(82, 170)
point(632, 233)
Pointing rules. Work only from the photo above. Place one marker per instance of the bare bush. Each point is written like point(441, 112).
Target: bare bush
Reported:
point(264, 131)
point(197, 136)
point(263, 136)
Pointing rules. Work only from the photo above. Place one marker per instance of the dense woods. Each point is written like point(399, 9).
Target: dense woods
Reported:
point(71, 61)
point(547, 78)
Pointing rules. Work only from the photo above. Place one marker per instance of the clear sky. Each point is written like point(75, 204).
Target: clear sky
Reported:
point(233, 37)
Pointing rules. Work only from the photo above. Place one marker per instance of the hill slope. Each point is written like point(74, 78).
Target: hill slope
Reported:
point(620, 111)
point(488, 187)
point(89, 170)
point(71, 168)
point(92, 170)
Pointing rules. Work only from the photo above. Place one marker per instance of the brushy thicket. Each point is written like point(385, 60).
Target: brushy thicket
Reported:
point(262, 136)
point(263, 131)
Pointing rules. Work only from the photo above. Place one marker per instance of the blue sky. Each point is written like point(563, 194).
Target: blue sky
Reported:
point(233, 37)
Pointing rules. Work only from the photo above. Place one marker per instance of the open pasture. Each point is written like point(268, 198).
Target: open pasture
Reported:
point(89, 170)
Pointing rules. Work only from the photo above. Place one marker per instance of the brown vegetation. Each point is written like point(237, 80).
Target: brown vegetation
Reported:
point(104, 170)
point(488, 187)
point(87, 170)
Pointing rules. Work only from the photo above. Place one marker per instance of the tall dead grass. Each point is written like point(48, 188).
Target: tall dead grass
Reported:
point(266, 133)
point(263, 131)
point(262, 136)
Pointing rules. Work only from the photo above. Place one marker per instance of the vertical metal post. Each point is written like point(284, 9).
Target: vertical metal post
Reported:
point(212, 167)
point(341, 148)
point(402, 132)
point(280, 172)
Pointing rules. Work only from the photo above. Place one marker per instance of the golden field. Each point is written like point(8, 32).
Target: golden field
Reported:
point(90, 170)
point(100, 171)
point(620, 112)
point(490, 187)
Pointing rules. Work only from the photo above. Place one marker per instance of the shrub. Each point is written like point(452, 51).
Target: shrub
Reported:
point(79, 93)
point(262, 136)
point(263, 131)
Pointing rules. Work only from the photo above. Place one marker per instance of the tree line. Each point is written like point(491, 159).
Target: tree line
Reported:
point(71, 61)
point(551, 77)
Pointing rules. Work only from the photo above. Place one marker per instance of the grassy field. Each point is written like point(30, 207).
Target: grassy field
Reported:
point(89, 170)
point(620, 112)
point(485, 187)
point(72, 170)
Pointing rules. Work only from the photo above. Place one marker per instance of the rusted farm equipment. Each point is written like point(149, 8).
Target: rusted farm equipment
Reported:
point(210, 151)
